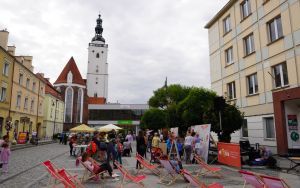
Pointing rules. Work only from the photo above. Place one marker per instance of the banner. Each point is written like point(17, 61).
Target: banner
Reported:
point(22, 138)
point(174, 131)
point(204, 134)
point(229, 154)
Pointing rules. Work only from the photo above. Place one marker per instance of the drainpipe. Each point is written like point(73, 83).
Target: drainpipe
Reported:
point(11, 91)
point(37, 109)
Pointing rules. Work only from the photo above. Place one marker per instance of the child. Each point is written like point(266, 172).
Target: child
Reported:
point(119, 149)
point(4, 157)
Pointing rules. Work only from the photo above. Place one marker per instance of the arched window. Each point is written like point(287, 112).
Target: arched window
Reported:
point(97, 55)
point(79, 106)
point(68, 105)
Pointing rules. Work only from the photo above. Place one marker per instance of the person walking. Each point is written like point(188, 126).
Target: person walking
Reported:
point(4, 157)
point(129, 138)
point(188, 141)
point(141, 147)
point(155, 140)
point(119, 149)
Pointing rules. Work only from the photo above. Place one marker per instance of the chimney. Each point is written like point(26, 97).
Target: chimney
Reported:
point(4, 38)
point(11, 50)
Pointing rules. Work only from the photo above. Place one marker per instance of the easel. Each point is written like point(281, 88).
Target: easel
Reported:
point(175, 152)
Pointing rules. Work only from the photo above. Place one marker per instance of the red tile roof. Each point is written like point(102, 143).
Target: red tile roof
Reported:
point(49, 89)
point(70, 66)
point(96, 100)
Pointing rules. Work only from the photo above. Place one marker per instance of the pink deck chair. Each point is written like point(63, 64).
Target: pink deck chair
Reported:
point(252, 179)
point(147, 165)
point(55, 177)
point(273, 182)
point(126, 175)
point(69, 182)
point(206, 169)
point(171, 175)
point(194, 182)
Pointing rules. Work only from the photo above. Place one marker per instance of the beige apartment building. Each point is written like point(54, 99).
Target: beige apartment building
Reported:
point(27, 98)
point(254, 49)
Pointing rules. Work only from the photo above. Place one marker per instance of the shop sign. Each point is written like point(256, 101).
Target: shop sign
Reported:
point(125, 122)
point(22, 138)
point(292, 122)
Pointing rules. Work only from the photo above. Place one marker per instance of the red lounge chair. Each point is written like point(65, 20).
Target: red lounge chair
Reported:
point(54, 178)
point(147, 165)
point(129, 177)
point(271, 182)
point(69, 182)
point(171, 175)
point(194, 182)
point(252, 179)
point(89, 174)
point(206, 169)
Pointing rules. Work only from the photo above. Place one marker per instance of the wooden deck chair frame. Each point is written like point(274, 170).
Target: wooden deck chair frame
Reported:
point(54, 178)
point(88, 174)
point(171, 175)
point(71, 182)
point(195, 182)
point(255, 178)
point(265, 178)
point(126, 175)
point(207, 168)
point(147, 165)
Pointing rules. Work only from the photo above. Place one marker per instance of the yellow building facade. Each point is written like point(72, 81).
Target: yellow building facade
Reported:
point(6, 73)
point(254, 49)
point(27, 98)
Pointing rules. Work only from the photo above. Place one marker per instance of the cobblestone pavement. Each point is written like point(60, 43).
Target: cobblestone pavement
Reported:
point(37, 176)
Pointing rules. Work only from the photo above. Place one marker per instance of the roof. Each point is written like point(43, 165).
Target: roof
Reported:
point(220, 13)
point(49, 89)
point(70, 66)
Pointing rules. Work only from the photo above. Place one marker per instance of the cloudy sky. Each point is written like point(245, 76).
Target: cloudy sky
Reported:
point(148, 40)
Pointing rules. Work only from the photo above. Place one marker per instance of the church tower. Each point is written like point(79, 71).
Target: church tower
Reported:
point(97, 72)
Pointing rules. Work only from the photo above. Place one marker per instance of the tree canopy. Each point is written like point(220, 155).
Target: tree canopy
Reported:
point(181, 106)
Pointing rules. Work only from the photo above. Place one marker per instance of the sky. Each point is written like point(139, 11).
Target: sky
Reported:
point(147, 40)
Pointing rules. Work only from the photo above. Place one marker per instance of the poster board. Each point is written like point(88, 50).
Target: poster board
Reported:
point(174, 130)
point(22, 138)
point(229, 154)
point(204, 135)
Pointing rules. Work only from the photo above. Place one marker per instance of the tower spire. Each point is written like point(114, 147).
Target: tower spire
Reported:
point(98, 30)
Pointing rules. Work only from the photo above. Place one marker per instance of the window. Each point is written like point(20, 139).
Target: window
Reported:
point(5, 69)
point(18, 100)
point(231, 90)
point(245, 128)
point(269, 127)
point(97, 68)
point(26, 103)
point(280, 75)
point(275, 29)
point(96, 80)
point(245, 9)
point(229, 56)
point(3, 94)
point(31, 105)
point(33, 86)
point(95, 94)
point(40, 108)
point(226, 25)
point(97, 55)
point(79, 105)
point(51, 113)
point(252, 84)
point(68, 105)
point(249, 44)
point(27, 83)
point(20, 79)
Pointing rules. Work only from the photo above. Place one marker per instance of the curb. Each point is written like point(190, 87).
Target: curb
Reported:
point(18, 147)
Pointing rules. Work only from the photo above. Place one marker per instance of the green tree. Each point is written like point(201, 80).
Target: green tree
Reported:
point(232, 120)
point(194, 106)
point(154, 119)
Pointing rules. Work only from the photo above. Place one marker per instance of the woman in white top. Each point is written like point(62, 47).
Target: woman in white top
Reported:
point(188, 142)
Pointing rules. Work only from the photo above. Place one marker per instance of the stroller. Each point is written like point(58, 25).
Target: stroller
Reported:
point(156, 153)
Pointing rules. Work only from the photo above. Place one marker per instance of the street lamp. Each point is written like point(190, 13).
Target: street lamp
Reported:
point(54, 118)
